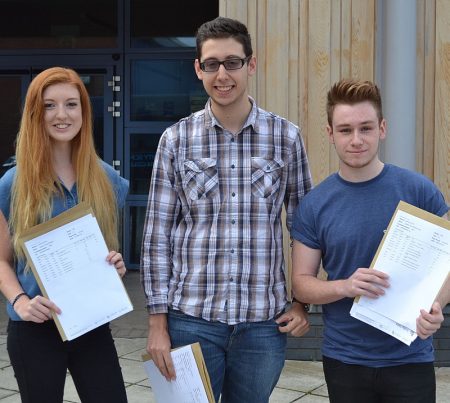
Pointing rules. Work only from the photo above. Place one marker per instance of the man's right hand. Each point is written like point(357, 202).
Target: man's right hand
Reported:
point(369, 282)
point(158, 345)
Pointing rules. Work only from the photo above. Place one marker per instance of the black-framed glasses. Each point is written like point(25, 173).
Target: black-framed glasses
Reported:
point(234, 63)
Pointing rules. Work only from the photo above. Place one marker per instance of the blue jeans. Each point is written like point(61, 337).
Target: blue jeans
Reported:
point(408, 383)
point(244, 361)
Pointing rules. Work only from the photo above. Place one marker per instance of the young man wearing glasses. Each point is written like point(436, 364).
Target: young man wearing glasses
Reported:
point(212, 257)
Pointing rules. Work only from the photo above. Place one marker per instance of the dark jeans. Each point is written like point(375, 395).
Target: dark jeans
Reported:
point(244, 361)
point(40, 360)
point(409, 383)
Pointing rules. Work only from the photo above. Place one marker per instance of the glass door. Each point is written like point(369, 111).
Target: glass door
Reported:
point(161, 89)
point(14, 83)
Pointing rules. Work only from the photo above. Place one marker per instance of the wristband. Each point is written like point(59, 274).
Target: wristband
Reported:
point(305, 305)
point(17, 298)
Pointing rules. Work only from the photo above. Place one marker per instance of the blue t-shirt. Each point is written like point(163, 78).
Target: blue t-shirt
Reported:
point(60, 204)
point(346, 221)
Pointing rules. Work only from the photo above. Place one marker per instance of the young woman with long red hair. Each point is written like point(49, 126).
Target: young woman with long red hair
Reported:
point(57, 167)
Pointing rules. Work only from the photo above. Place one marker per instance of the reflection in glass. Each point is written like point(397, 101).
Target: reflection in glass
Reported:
point(168, 23)
point(142, 154)
point(50, 24)
point(10, 105)
point(137, 218)
point(94, 86)
point(164, 90)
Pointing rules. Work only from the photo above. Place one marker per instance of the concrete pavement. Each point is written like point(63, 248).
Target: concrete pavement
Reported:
point(300, 381)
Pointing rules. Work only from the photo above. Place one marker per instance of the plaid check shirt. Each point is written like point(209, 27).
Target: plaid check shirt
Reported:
point(212, 244)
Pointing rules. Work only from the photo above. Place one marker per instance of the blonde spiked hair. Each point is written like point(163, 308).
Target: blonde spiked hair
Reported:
point(36, 183)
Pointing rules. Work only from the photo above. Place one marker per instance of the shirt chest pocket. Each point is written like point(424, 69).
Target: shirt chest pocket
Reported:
point(200, 179)
point(266, 176)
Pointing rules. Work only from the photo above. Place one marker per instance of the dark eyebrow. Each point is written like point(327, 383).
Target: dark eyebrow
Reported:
point(226, 58)
point(367, 122)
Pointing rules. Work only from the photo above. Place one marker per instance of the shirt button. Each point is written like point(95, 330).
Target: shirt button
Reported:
point(231, 279)
point(232, 251)
point(233, 194)
point(233, 221)
point(232, 139)
point(233, 166)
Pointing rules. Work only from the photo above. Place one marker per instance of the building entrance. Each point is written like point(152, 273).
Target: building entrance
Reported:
point(136, 60)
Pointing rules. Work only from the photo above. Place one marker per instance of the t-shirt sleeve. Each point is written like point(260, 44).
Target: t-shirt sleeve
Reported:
point(121, 189)
point(434, 199)
point(303, 226)
point(120, 185)
point(6, 182)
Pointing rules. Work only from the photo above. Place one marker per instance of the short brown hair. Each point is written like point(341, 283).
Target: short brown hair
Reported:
point(220, 28)
point(349, 91)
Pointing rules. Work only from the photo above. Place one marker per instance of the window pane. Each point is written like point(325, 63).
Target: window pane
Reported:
point(55, 24)
point(169, 23)
point(94, 85)
point(164, 90)
point(137, 219)
point(10, 105)
point(142, 154)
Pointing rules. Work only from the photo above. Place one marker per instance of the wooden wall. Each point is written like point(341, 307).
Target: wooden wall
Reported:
point(433, 85)
point(304, 46)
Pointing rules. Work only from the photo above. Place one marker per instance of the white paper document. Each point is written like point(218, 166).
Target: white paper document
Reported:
point(188, 387)
point(71, 267)
point(415, 252)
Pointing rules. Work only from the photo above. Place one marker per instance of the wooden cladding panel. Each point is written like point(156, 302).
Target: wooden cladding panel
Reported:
point(363, 39)
point(442, 98)
point(277, 57)
point(302, 81)
point(319, 67)
point(427, 139)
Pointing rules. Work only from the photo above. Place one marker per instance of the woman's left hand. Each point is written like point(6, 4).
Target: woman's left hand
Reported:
point(116, 259)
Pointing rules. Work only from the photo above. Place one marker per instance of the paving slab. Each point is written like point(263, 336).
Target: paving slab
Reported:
point(126, 346)
point(311, 376)
point(280, 395)
point(140, 394)
point(133, 371)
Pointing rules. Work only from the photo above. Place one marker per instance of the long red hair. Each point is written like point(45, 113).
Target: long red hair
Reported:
point(36, 183)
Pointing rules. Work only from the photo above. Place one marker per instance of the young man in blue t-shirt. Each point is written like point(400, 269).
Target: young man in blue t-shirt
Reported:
point(341, 223)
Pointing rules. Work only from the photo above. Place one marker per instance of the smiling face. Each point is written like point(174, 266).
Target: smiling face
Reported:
point(63, 113)
point(227, 88)
point(356, 133)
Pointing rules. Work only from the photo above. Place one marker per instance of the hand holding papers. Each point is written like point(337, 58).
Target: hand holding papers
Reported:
point(415, 252)
point(67, 256)
point(192, 384)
